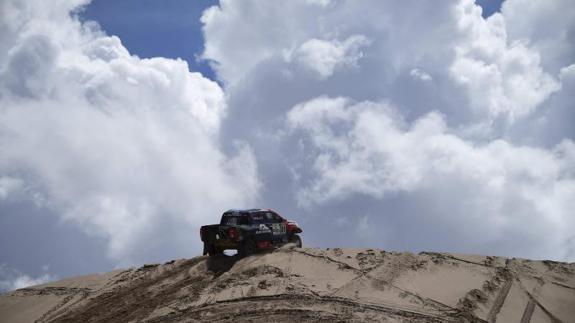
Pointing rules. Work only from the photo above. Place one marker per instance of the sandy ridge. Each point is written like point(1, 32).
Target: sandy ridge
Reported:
point(351, 285)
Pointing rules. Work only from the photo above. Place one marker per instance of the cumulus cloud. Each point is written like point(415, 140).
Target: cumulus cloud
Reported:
point(367, 148)
point(449, 131)
point(503, 76)
point(127, 148)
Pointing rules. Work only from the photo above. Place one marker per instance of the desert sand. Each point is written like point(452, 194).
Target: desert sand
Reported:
point(291, 285)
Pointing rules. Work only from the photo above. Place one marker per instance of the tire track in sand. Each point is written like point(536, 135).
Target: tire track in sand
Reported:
point(498, 304)
point(528, 312)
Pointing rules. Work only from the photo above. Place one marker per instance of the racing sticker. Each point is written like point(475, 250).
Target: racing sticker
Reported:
point(278, 228)
point(263, 229)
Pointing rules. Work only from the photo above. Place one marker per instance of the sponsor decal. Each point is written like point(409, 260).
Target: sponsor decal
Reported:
point(263, 229)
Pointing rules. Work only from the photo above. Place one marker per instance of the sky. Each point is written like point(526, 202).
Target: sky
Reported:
point(151, 28)
point(423, 126)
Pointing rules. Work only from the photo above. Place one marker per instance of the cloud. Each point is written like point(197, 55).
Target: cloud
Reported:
point(9, 186)
point(11, 279)
point(547, 26)
point(323, 57)
point(496, 76)
point(503, 76)
point(367, 148)
point(127, 148)
point(420, 75)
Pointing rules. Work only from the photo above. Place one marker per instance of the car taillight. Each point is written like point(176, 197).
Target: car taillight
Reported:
point(264, 244)
point(293, 227)
point(233, 233)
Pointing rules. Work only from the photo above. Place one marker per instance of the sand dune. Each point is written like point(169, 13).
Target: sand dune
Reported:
point(310, 285)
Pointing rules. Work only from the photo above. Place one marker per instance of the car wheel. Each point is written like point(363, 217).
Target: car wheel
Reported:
point(296, 240)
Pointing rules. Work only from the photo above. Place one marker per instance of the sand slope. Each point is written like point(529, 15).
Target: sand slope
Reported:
point(310, 285)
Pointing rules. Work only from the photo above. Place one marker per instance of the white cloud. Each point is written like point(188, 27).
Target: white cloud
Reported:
point(568, 73)
point(26, 281)
point(324, 57)
point(8, 186)
point(420, 75)
point(547, 26)
point(503, 77)
point(11, 279)
point(366, 148)
point(321, 26)
point(127, 148)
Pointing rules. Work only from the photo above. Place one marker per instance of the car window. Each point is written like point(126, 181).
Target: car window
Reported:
point(278, 217)
point(272, 218)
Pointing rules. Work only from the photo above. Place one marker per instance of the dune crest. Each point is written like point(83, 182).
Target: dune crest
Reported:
point(309, 285)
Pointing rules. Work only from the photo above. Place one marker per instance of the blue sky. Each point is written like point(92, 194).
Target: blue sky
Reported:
point(151, 28)
point(489, 6)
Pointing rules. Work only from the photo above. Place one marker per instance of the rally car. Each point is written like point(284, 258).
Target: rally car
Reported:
point(249, 231)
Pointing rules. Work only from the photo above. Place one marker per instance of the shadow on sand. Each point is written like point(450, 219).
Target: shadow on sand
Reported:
point(220, 264)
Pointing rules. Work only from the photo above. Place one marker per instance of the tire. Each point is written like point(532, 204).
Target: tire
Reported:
point(296, 239)
point(247, 248)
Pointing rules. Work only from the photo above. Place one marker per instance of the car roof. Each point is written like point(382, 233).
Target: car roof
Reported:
point(246, 211)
